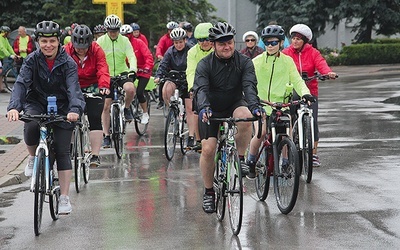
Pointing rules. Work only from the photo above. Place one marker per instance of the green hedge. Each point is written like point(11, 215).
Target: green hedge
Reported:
point(361, 54)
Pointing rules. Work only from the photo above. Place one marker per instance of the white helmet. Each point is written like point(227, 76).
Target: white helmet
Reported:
point(112, 22)
point(172, 25)
point(303, 30)
point(250, 33)
point(177, 34)
point(125, 29)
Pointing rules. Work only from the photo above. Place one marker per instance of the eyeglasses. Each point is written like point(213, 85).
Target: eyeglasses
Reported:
point(272, 43)
point(250, 40)
point(203, 39)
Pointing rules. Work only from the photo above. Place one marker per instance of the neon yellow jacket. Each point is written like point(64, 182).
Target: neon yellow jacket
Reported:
point(195, 54)
point(277, 76)
point(5, 48)
point(116, 52)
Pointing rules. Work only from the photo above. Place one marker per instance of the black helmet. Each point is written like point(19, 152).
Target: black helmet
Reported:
point(223, 31)
point(273, 31)
point(81, 37)
point(100, 28)
point(187, 26)
point(135, 26)
point(47, 29)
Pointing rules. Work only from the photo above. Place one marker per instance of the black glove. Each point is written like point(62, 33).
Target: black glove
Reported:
point(132, 75)
point(258, 109)
point(309, 98)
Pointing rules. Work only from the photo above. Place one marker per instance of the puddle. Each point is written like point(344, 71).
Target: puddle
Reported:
point(4, 140)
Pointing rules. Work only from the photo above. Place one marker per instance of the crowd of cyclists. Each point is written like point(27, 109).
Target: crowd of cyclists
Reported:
point(220, 82)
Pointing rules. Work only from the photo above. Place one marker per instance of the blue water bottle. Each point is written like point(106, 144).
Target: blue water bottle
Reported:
point(51, 105)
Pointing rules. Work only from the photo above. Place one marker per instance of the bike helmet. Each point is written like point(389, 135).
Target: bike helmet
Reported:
point(172, 25)
point(221, 32)
point(100, 28)
point(125, 29)
point(5, 29)
point(81, 37)
point(177, 34)
point(303, 30)
point(250, 33)
point(112, 22)
point(135, 26)
point(187, 26)
point(201, 30)
point(273, 31)
point(47, 29)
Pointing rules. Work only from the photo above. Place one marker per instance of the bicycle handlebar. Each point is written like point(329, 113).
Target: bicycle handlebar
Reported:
point(43, 119)
point(232, 120)
point(318, 76)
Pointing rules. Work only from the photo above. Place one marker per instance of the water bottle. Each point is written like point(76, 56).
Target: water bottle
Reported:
point(51, 105)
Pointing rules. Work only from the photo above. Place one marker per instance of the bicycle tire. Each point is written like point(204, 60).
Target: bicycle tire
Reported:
point(262, 180)
point(235, 192)
point(39, 190)
point(170, 134)
point(54, 199)
point(86, 150)
point(140, 128)
point(183, 135)
point(7, 79)
point(165, 110)
point(286, 179)
point(307, 152)
point(219, 187)
point(78, 158)
point(117, 133)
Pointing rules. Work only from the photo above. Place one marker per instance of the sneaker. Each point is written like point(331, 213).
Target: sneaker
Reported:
point(197, 147)
point(145, 118)
point(64, 207)
point(316, 162)
point(160, 105)
point(209, 203)
point(244, 167)
point(107, 142)
point(190, 143)
point(29, 166)
point(252, 170)
point(94, 161)
point(128, 115)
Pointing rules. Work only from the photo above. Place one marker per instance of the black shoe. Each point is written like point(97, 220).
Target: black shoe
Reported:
point(245, 168)
point(160, 105)
point(197, 147)
point(209, 203)
point(190, 143)
point(128, 115)
point(252, 170)
point(107, 142)
point(95, 161)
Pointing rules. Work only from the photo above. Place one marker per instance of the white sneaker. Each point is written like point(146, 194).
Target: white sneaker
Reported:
point(145, 118)
point(64, 207)
point(29, 166)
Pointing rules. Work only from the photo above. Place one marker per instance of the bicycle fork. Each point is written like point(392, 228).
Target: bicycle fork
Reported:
point(301, 113)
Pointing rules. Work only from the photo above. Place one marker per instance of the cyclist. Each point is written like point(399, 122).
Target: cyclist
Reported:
point(136, 33)
point(162, 46)
point(188, 27)
point(117, 48)
point(251, 50)
point(203, 47)
point(145, 65)
point(6, 51)
point(49, 71)
point(93, 78)
point(308, 60)
point(273, 71)
point(225, 85)
point(98, 31)
point(174, 59)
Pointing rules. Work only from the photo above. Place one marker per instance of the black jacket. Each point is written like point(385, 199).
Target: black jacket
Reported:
point(220, 83)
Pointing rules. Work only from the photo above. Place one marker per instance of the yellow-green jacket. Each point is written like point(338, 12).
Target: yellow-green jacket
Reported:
point(195, 54)
point(5, 48)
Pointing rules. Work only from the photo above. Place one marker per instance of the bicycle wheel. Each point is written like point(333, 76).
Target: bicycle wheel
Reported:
point(86, 151)
point(307, 152)
point(78, 158)
point(9, 78)
point(263, 178)
point(140, 128)
point(183, 134)
point(54, 198)
point(286, 175)
point(235, 191)
point(118, 127)
point(39, 190)
point(170, 134)
point(219, 187)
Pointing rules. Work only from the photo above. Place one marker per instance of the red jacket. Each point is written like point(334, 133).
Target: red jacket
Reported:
point(30, 48)
point(144, 39)
point(163, 44)
point(94, 68)
point(309, 60)
point(144, 57)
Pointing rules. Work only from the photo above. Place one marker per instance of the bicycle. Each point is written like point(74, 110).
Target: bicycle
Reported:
point(10, 71)
point(175, 125)
point(81, 150)
point(137, 110)
point(228, 183)
point(44, 180)
point(278, 158)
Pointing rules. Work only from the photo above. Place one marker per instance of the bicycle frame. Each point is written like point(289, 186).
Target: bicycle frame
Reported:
point(304, 110)
point(117, 101)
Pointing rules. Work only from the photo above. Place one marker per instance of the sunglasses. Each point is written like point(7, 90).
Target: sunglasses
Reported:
point(203, 39)
point(272, 43)
point(250, 40)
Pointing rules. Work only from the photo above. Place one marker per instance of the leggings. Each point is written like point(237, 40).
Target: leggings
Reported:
point(95, 105)
point(141, 87)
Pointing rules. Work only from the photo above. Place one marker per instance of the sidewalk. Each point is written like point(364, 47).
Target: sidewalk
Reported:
point(13, 161)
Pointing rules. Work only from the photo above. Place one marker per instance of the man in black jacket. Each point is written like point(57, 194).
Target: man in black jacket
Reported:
point(225, 85)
